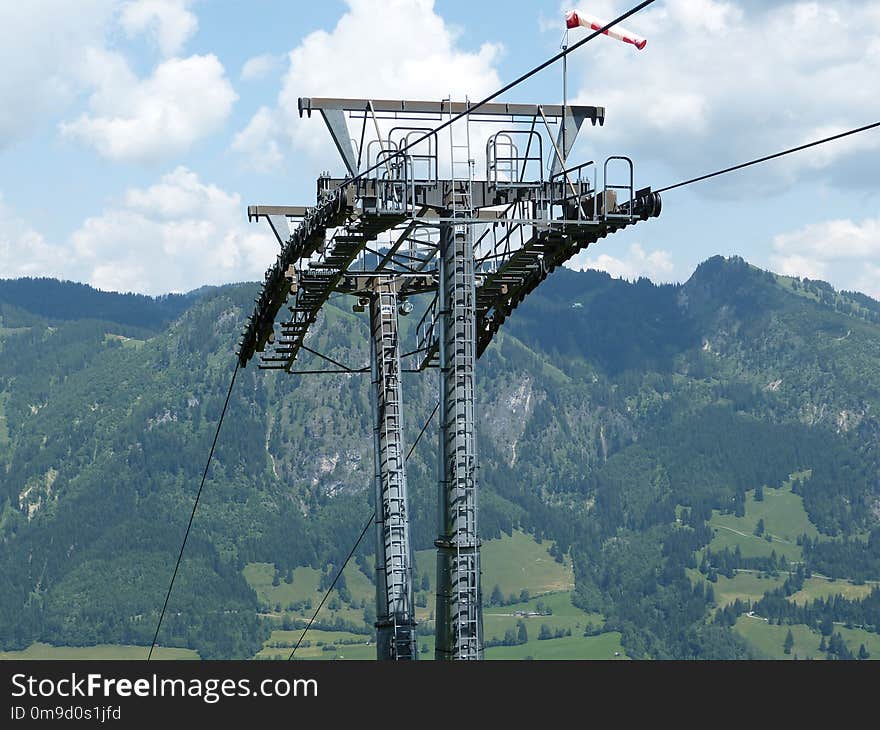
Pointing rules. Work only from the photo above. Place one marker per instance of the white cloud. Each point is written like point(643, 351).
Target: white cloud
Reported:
point(259, 67)
point(844, 252)
point(722, 81)
point(656, 265)
point(169, 22)
point(41, 50)
point(154, 118)
point(258, 142)
point(410, 52)
point(833, 240)
point(172, 236)
point(869, 280)
point(23, 251)
point(797, 265)
point(57, 52)
point(175, 235)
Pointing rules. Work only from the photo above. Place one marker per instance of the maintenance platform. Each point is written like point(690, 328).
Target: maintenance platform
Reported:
point(460, 230)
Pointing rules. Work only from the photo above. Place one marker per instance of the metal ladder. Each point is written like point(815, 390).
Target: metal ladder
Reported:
point(458, 365)
point(461, 201)
point(461, 451)
point(395, 605)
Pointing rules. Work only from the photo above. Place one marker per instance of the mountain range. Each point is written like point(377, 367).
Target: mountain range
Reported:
point(616, 420)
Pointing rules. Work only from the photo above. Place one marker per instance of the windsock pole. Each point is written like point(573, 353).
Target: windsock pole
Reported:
point(564, 92)
point(573, 19)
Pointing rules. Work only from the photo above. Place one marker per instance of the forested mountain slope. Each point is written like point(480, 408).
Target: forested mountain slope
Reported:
point(615, 420)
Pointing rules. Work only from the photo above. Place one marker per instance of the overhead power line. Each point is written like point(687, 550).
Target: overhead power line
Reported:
point(471, 108)
point(332, 585)
point(357, 542)
point(507, 87)
point(193, 514)
point(769, 157)
point(422, 432)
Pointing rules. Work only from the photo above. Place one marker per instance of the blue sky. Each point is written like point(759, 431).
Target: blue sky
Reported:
point(133, 133)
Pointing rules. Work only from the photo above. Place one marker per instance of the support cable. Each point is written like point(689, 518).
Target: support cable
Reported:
point(769, 157)
point(193, 514)
point(333, 584)
point(422, 432)
point(472, 108)
point(358, 541)
point(331, 360)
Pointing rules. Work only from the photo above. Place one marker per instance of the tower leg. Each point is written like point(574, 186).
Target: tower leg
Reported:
point(459, 617)
point(395, 608)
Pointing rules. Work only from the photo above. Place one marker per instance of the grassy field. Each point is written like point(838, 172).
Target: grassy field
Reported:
point(130, 342)
point(565, 615)
point(784, 520)
point(604, 646)
point(517, 561)
point(101, 651)
point(752, 586)
point(854, 637)
point(823, 588)
point(514, 562)
point(575, 647)
point(743, 586)
point(769, 639)
point(346, 645)
point(304, 586)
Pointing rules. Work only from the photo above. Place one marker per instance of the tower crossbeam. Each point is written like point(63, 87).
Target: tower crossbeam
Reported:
point(466, 240)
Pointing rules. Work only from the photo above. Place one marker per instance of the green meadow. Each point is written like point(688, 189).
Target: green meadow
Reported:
point(602, 647)
point(745, 586)
point(99, 652)
point(785, 519)
point(515, 563)
point(769, 639)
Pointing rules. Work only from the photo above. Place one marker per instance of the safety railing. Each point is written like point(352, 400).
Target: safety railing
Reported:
point(423, 154)
point(506, 167)
point(384, 148)
point(625, 213)
point(394, 185)
point(574, 188)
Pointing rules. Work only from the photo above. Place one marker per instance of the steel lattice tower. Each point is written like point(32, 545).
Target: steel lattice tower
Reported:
point(395, 608)
point(469, 249)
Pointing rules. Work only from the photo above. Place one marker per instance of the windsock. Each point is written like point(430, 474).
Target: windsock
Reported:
point(573, 19)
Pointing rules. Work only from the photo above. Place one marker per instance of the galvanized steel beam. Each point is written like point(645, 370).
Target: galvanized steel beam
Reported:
point(395, 607)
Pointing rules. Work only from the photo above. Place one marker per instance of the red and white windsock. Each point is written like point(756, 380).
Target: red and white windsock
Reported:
point(573, 19)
